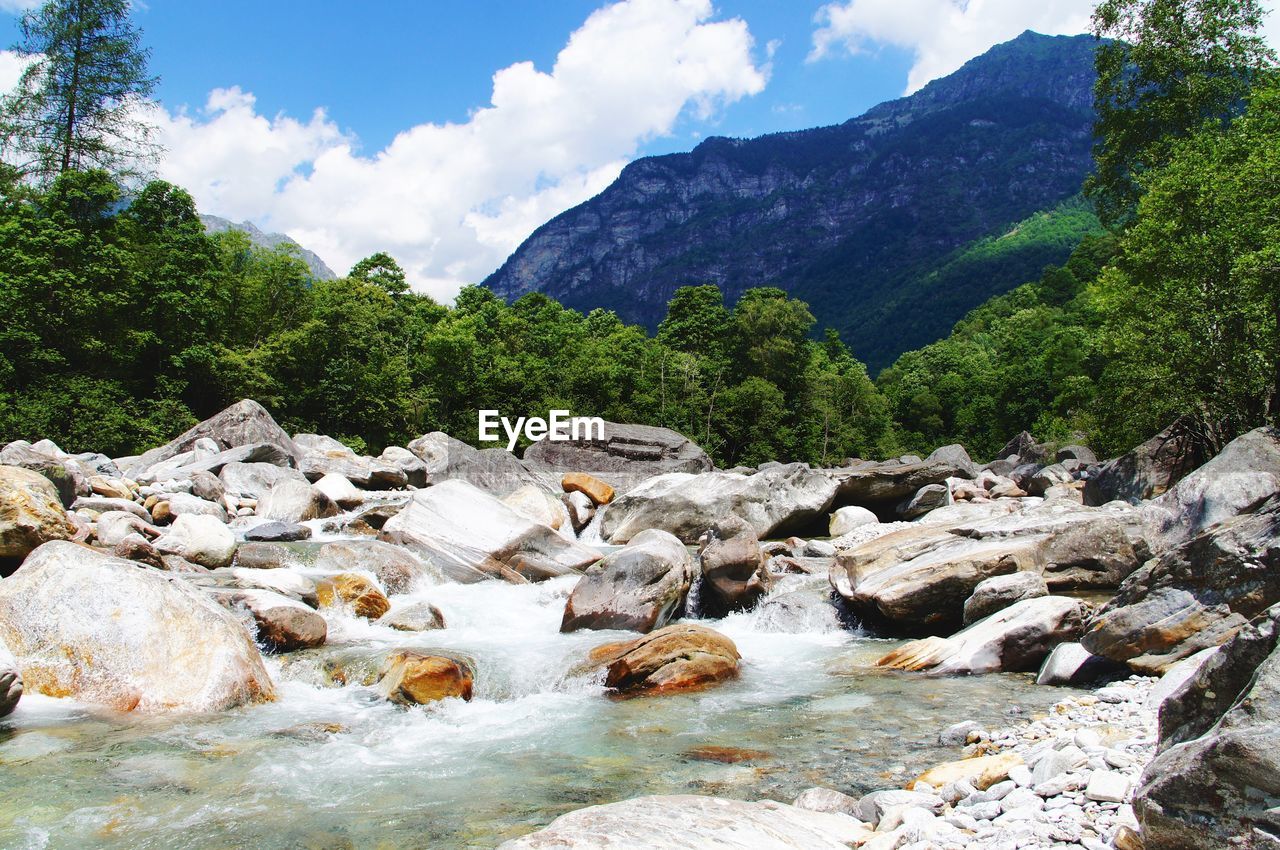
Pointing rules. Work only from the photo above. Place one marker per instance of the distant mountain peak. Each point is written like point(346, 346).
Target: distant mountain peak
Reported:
point(217, 224)
point(852, 218)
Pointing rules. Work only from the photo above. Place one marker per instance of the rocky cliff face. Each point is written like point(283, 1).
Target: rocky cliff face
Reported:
point(319, 270)
point(851, 218)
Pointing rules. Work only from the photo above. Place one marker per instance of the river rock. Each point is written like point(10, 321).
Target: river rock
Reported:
point(626, 456)
point(282, 624)
point(254, 480)
point(1025, 448)
point(826, 800)
point(323, 456)
point(295, 501)
point(365, 598)
point(997, 592)
point(670, 659)
point(179, 504)
point(1081, 453)
point(10, 681)
point(535, 503)
point(70, 477)
point(412, 677)
point(1149, 470)
point(580, 508)
point(201, 540)
point(414, 617)
point(86, 625)
point(846, 519)
point(413, 467)
point(1238, 480)
point(284, 582)
point(243, 423)
point(882, 487)
point(255, 555)
point(31, 513)
point(396, 568)
point(1047, 478)
point(695, 823)
point(279, 532)
point(774, 502)
point(493, 471)
point(593, 488)
point(981, 772)
point(1072, 664)
point(470, 535)
point(928, 498)
point(135, 547)
point(734, 575)
point(113, 526)
point(1015, 639)
point(341, 491)
point(1214, 784)
point(1193, 597)
point(639, 587)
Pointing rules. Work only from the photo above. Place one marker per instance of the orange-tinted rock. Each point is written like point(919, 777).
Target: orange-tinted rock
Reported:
point(364, 597)
point(590, 486)
point(672, 659)
point(410, 677)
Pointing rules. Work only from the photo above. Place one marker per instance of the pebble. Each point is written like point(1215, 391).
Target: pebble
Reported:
point(1082, 762)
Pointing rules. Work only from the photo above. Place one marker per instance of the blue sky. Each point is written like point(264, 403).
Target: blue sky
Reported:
point(446, 132)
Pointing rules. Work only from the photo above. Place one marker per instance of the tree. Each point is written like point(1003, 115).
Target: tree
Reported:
point(381, 269)
point(1192, 306)
point(1173, 66)
point(80, 103)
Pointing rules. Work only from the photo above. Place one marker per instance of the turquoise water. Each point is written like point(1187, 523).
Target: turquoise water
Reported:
point(332, 767)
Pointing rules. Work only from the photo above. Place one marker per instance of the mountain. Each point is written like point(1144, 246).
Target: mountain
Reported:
point(217, 224)
point(891, 226)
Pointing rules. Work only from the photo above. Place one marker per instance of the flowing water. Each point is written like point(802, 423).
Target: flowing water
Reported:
point(329, 766)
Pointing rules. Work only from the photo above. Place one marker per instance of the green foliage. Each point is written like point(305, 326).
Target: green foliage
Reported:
point(1175, 65)
point(77, 104)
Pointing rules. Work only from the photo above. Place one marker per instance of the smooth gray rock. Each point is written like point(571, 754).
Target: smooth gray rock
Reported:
point(640, 587)
point(243, 423)
point(280, 532)
point(1072, 664)
point(628, 455)
point(928, 498)
point(495, 471)
point(774, 502)
point(254, 480)
point(1193, 597)
point(997, 592)
point(294, 501)
point(1149, 470)
point(10, 681)
point(396, 568)
point(734, 576)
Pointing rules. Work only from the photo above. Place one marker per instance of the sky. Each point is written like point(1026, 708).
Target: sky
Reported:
point(446, 131)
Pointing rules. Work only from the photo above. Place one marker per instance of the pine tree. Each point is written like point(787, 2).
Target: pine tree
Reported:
point(82, 101)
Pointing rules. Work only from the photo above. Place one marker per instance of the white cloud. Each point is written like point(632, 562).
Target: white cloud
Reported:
point(451, 201)
point(11, 67)
point(942, 34)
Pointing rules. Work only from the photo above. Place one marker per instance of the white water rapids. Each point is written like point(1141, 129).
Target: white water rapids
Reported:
point(332, 766)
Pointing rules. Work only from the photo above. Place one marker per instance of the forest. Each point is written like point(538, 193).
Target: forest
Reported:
point(124, 321)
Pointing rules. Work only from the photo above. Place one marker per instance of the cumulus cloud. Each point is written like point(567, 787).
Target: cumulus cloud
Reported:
point(941, 34)
point(452, 200)
point(11, 67)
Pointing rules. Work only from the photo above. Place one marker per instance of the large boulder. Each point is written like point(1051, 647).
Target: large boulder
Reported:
point(85, 625)
point(882, 487)
point(957, 455)
point(846, 519)
point(627, 455)
point(734, 572)
point(675, 658)
point(470, 535)
point(916, 580)
point(997, 592)
point(495, 471)
point(68, 475)
point(254, 480)
point(295, 501)
point(1216, 779)
point(189, 464)
point(31, 513)
point(695, 823)
point(243, 423)
point(1015, 639)
point(413, 467)
point(10, 681)
point(323, 456)
point(774, 502)
point(282, 624)
point(1238, 480)
point(396, 568)
point(639, 587)
point(1149, 470)
point(199, 539)
point(1193, 597)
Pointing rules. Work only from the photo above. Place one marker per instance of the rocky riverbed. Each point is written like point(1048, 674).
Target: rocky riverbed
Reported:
point(251, 637)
